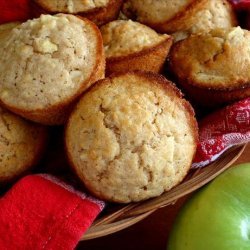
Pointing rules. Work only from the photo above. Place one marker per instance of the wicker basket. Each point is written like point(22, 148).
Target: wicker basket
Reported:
point(116, 218)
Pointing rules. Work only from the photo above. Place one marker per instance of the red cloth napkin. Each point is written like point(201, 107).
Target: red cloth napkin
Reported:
point(41, 212)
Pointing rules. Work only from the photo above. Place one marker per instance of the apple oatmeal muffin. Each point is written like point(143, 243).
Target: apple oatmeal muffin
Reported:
point(133, 46)
point(213, 68)
point(131, 137)
point(47, 63)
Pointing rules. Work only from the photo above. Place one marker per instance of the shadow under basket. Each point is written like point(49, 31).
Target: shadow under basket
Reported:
point(120, 217)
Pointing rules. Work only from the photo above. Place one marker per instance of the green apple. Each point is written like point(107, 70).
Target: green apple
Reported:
point(218, 216)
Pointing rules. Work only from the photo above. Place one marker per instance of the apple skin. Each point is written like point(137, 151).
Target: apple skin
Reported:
point(218, 216)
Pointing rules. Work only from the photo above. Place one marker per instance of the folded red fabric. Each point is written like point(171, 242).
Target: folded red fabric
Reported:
point(41, 212)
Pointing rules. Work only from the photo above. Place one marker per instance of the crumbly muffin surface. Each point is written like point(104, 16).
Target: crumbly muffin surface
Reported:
point(213, 14)
point(122, 37)
point(45, 61)
point(72, 6)
point(218, 59)
point(131, 138)
point(155, 11)
point(20, 144)
point(7, 27)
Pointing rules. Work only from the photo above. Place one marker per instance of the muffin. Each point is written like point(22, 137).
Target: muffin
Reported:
point(99, 12)
point(213, 68)
point(21, 145)
point(181, 18)
point(131, 137)
point(6, 28)
point(46, 63)
point(130, 45)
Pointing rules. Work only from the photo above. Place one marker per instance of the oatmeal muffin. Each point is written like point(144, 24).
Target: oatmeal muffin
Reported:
point(21, 145)
point(131, 137)
point(46, 63)
point(182, 17)
point(133, 46)
point(98, 11)
point(6, 28)
point(214, 68)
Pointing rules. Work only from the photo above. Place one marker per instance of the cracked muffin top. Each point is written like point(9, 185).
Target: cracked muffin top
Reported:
point(72, 6)
point(21, 144)
point(122, 37)
point(131, 137)
point(219, 59)
point(47, 61)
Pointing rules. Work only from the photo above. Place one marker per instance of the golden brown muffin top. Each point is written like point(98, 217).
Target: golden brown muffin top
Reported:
point(151, 11)
point(123, 37)
point(204, 16)
point(45, 61)
point(72, 6)
point(131, 137)
point(218, 59)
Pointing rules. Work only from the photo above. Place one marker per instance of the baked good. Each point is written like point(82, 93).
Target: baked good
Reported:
point(213, 68)
point(182, 17)
point(46, 63)
point(98, 11)
point(21, 145)
point(6, 28)
point(131, 137)
point(133, 46)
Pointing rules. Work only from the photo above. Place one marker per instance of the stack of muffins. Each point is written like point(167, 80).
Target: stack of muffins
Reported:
point(130, 136)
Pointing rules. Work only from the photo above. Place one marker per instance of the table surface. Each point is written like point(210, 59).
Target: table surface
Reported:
point(151, 233)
